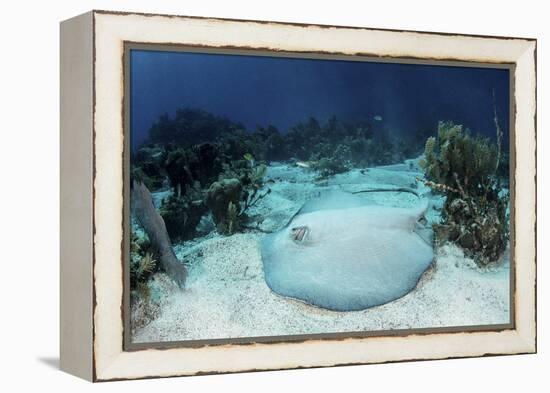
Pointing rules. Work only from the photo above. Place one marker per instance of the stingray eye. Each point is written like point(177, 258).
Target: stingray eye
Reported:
point(299, 234)
point(422, 220)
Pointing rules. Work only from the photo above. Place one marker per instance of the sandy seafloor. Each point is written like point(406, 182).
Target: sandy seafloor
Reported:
point(226, 295)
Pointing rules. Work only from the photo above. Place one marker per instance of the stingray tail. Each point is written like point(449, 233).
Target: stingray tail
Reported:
point(394, 189)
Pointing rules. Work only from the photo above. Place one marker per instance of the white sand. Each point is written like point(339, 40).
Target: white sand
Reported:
point(227, 297)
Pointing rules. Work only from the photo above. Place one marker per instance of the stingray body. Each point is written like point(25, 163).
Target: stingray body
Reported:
point(341, 254)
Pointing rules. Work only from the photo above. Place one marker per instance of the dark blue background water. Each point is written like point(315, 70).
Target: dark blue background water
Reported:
point(256, 90)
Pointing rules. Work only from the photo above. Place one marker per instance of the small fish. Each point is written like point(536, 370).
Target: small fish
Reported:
point(302, 164)
point(378, 118)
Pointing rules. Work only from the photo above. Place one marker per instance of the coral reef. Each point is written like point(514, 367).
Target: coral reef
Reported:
point(252, 180)
point(140, 271)
point(148, 166)
point(198, 144)
point(143, 265)
point(201, 158)
point(464, 168)
point(239, 188)
point(142, 261)
point(182, 214)
point(184, 166)
point(223, 199)
point(329, 166)
point(191, 127)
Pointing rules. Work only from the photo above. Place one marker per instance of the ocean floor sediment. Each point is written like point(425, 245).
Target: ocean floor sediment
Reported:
point(226, 295)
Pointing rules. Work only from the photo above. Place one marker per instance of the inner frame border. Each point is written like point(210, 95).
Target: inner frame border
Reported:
point(128, 46)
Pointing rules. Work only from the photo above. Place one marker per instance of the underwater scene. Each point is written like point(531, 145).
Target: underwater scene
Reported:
point(283, 196)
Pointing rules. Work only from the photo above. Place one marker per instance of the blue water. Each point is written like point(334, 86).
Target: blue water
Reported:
point(257, 90)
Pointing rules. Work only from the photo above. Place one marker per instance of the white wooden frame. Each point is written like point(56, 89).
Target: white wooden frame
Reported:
point(92, 192)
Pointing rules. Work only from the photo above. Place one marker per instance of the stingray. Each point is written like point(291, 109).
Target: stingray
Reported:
point(342, 254)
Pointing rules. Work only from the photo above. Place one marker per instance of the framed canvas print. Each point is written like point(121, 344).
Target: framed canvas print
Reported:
point(245, 195)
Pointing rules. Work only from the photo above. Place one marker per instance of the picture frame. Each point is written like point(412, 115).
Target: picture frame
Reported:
point(95, 194)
